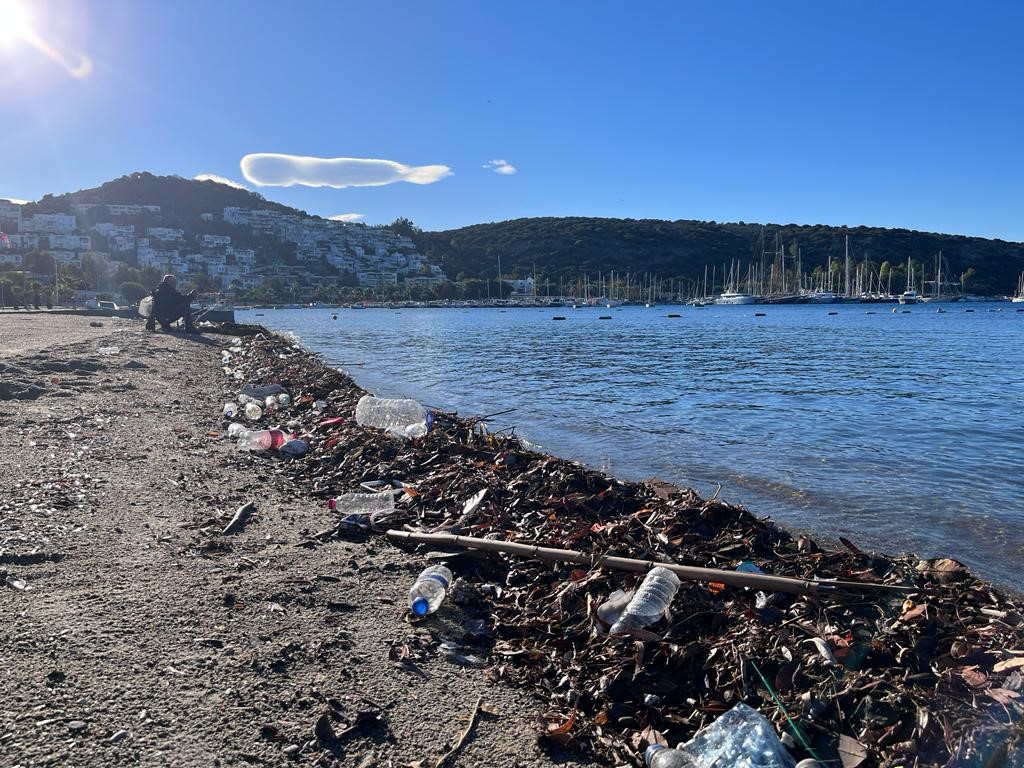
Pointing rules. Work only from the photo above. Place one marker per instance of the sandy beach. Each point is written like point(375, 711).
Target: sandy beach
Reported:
point(132, 636)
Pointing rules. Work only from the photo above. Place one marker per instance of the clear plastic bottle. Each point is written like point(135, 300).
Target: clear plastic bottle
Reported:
point(430, 589)
point(388, 413)
point(284, 400)
point(270, 403)
point(253, 412)
point(658, 756)
point(362, 503)
point(650, 601)
point(230, 410)
point(740, 738)
point(235, 429)
point(263, 440)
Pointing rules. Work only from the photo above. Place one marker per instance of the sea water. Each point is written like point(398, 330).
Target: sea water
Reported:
point(900, 431)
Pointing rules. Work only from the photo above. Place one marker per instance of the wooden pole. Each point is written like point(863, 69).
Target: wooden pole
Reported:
point(762, 581)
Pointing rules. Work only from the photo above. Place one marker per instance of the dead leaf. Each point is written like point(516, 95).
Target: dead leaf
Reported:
point(851, 751)
point(489, 709)
point(1014, 663)
point(974, 676)
point(823, 649)
point(944, 570)
point(1003, 695)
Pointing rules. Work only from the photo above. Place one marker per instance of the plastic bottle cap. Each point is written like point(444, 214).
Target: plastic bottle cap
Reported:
point(420, 606)
point(332, 504)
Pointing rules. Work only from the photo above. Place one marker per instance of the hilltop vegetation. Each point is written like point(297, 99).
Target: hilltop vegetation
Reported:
point(563, 248)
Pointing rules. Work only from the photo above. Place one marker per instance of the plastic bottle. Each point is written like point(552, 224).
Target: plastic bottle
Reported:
point(270, 403)
point(236, 429)
point(362, 504)
point(658, 756)
point(253, 412)
point(284, 400)
point(387, 413)
point(650, 601)
point(230, 410)
point(263, 440)
point(740, 738)
point(430, 589)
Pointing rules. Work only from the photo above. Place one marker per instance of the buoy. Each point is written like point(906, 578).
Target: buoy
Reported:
point(869, 313)
point(833, 313)
point(334, 316)
point(681, 315)
point(605, 317)
point(558, 317)
point(968, 310)
point(761, 314)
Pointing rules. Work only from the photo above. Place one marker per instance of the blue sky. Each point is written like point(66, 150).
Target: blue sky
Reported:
point(899, 114)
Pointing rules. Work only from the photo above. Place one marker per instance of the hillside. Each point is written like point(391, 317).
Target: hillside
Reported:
point(556, 248)
point(178, 197)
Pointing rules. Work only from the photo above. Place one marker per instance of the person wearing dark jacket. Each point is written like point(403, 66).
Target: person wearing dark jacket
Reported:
point(169, 306)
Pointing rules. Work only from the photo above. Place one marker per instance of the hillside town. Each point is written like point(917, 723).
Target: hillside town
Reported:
point(228, 252)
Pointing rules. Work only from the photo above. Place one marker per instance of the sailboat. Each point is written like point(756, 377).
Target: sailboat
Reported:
point(909, 296)
point(1018, 298)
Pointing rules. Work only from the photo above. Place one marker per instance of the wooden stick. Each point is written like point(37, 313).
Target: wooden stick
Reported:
point(462, 737)
point(762, 581)
point(240, 517)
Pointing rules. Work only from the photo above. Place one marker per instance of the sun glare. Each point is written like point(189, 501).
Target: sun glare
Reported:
point(14, 21)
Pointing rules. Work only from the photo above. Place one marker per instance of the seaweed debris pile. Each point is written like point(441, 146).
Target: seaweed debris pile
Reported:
point(927, 673)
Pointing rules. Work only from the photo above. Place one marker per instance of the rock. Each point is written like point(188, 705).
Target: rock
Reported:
point(77, 726)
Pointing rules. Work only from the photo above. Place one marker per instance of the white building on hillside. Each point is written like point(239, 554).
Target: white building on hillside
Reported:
point(165, 233)
point(114, 230)
point(70, 242)
point(48, 222)
point(213, 241)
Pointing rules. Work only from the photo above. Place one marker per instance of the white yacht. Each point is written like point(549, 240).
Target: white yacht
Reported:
point(735, 297)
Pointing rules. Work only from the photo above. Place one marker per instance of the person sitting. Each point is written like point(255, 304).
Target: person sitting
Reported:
point(169, 306)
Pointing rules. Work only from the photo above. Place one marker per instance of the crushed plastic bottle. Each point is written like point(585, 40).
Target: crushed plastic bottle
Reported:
point(284, 400)
point(658, 756)
point(741, 738)
point(270, 403)
point(253, 412)
point(230, 410)
point(396, 415)
point(361, 510)
point(235, 429)
point(650, 601)
point(611, 609)
point(430, 589)
point(319, 405)
point(262, 439)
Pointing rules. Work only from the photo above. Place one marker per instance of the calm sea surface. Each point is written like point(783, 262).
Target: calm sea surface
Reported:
point(902, 432)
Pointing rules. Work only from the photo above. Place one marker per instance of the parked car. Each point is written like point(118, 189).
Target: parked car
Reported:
point(107, 305)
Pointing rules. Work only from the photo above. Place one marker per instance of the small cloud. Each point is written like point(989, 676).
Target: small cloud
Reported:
point(219, 180)
point(15, 200)
point(346, 217)
point(267, 169)
point(500, 166)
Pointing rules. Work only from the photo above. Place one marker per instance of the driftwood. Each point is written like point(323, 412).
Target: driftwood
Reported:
point(761, 581)
point(240, 517)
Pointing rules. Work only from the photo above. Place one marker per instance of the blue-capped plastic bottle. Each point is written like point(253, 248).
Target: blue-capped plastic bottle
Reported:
point(430, 589)
point(658, 756)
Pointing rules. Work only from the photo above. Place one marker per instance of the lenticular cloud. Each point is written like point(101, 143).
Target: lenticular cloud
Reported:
point(267, 169)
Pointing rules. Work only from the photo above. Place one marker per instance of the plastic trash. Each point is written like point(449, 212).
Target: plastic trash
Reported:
point(430, 589)
point(270, 403)
point(650, 601)
point(658, 756)
point(294, 447)
point(284, 400)
point(253, 412)
point(262, 439)
point(363, 505)
point(809, 763)
point(235, 429)
point(319, 405)
point(396, 415)
point(611, 609)
point(260, 393)
point(107, 351)
point(230, 410)
point(741, 738)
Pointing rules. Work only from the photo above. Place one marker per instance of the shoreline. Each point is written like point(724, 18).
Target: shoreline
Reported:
point(256, 634)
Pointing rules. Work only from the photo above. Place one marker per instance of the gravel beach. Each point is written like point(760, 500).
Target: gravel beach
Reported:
point(131, 637)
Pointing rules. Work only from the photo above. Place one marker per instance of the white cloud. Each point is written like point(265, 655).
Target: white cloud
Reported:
point(346, 217)
point(219, 180)
point(15, 200)
point(500, 166)
point(267, 169)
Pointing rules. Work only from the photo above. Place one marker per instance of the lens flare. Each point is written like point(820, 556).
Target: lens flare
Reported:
point(15, 23)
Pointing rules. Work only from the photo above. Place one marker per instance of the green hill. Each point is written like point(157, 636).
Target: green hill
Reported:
point(564, 248)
